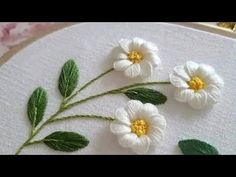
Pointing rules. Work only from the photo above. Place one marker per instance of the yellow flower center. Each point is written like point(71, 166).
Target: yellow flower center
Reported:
point(196, 83)
point(135, 56)
point(139, 127)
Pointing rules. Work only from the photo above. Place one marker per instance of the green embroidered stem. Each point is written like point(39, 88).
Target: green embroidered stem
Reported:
point(86, 85)
point(81, 116)
point(35, 142)
point(66, 107)
point(53, 119)
point(27, 142)
point(114, 91)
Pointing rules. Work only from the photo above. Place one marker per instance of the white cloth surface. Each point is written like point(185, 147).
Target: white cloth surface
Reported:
point(90, 44)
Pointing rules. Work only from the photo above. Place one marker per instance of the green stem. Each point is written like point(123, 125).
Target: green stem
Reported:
point(114, 91)
point(27, 142)
point(87, 84)
point(35, 142)
point(81, 116)
point(66, 107)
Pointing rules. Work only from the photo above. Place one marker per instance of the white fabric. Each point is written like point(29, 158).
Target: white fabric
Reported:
point(90, 44)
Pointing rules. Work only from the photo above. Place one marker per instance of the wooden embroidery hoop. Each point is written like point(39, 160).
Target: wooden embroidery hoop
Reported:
point(58, 26)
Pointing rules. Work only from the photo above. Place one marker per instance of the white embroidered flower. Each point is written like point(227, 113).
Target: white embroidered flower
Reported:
point(197, 84)
point(138, 58)
point(138, 126)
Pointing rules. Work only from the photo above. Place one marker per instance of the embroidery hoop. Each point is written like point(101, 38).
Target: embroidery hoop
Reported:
point(91, 30)
point(60, 26)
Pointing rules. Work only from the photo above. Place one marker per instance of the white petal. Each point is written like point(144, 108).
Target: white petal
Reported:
point(122, 56)
point(214, 94)
point(136, 43)
point(205, 70)
point(216, 80)
point(191, 68)
point(149, 47)
point(128, 140)
point(133, 71)
point(156, 135)
point(125, 45)
point(122, 116)
point(118, 128)
point(153, 58)
point(183, 95)
point(180, 71)
point(148, 110)
point(158, 121)
point(122, 65)
point(133, 107)
point(142, 145)
point(177, 81)
point(198, 100)
point(146, 69)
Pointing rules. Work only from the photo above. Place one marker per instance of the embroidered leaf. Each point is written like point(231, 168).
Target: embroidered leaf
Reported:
point(68, 78)
point(146, 95)
point(197, 147)
point(66, 141)
point(37, 105)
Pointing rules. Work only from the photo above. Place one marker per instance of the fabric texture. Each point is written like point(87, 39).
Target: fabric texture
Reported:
point(91, 44)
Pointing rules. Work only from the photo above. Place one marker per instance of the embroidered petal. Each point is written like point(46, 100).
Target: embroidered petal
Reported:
point(198, 100)
point(158, 121)
point(148, 47)
point(183, 95)
point(122, 56)
point(133, 107)
point(128, 140)
point(133, 71)
point(136, 43)
point(146, 69)
point(122, 65)
point(148, 110)
point(122, 116)
point(177, 81)
point(118, 128)
point(205, 70)
point(216, 80)
point(153, 58)
point(214, 94)
point(191, 68)
point(142, 145)
point(180, 71)
point(156, 135)
point(125, 45)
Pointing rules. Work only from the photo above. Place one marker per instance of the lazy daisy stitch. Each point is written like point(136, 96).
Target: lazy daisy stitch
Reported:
point(137, 58)
point(138, 125)
point(197, 84)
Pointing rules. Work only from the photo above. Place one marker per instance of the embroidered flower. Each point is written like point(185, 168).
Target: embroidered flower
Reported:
point(138, 58)
point(138, 126)
point(197, 84)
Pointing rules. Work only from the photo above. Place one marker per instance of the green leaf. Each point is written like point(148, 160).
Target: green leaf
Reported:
point(197, 147)
point(65, 141)
point(68, 79)
point(36, 106)
point(146, 95)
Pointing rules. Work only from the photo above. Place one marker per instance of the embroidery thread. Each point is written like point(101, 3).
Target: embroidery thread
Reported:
point(138, 125)
point(197, 84)
point(137, 58)
point(197, 147)
point(71, 141)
